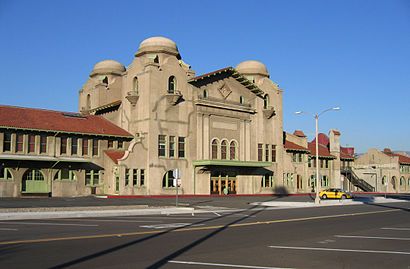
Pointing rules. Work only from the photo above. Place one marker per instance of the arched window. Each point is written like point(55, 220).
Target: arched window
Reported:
point(224, 149)
point(266, 101)
point(233, 150)
point(171, 84)
point(136, 85)
point(168, 180)
point(241, 100)
point(402, 181)
point(88, 101)
point(214, 149)
point(205, 94)
point(393, 182)
point(33, 174)
point(384, 180)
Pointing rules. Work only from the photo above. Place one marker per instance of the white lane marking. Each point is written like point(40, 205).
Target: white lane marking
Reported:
point(8, 229)
point(51, 223)
point(217, 214)
point(344, 250)
point(167, 217)
point(398, 229)
point(170, 225)
point(226, 265)
point(371, 237)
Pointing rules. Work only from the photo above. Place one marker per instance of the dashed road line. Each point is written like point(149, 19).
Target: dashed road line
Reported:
point(397, 229)
point(226, 265)
point(344, 250)
point(371, 237)
point(50, 223)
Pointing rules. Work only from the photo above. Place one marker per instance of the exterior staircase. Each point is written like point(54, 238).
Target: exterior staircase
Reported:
point(355, 180)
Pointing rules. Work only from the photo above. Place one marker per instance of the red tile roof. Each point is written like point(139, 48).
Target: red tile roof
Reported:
point(116, 103)
point(323, 150)
point(402, 159)
point(114, 155)
point(346, 156)
point(212, 73)
point(323, 139)
point(58, 121)
point(336, 132)
point(299, 133)
point(292, 146)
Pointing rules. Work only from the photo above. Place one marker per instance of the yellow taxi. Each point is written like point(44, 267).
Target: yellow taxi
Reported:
point(335, 194)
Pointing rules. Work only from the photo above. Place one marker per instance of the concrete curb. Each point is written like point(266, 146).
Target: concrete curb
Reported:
point(357, 201)
point(85, 212)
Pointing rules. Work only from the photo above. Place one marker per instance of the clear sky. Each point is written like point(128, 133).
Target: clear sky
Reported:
point(354, 54)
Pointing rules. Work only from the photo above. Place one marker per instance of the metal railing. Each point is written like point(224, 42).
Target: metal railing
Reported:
point(356, 181)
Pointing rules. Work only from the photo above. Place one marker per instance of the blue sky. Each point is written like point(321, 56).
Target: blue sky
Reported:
point(354, 54)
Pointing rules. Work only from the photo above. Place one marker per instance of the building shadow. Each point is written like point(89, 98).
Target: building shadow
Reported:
point(176, 253)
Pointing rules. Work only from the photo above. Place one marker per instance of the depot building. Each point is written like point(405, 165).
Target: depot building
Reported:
point(223, 131)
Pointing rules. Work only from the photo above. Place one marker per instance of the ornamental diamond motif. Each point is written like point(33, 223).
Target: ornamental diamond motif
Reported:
point(225, 91)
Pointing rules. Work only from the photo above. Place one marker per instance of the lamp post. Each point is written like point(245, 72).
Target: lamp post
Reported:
point(317, 199)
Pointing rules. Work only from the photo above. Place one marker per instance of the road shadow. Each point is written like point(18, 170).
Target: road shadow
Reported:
point(176, 253)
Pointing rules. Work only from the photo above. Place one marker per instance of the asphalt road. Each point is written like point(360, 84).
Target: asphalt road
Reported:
point(360, 236)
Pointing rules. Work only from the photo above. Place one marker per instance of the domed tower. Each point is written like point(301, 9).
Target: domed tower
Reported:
point(103, 87)
point(158, 44)
point(253, 70)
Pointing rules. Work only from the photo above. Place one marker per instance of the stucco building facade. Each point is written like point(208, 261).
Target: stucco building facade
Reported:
point(223, 130)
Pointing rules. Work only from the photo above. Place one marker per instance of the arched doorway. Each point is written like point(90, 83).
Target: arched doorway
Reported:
point(33, 181)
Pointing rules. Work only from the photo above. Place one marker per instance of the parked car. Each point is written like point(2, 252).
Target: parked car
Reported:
point(335, 194)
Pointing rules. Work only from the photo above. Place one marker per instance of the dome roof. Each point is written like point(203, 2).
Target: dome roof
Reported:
point(252, 67)
point(108, 66)
point(158, 44)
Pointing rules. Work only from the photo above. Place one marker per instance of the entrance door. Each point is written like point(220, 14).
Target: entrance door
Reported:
point(34, 182)
point(223, 185)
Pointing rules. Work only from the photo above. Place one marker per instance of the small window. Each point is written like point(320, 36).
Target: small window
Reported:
point(267, 153)
point(273, 153)
point(120, 144)
point(267, 181)
point(110, 143)
point(135, 177)
point(171, 85)
point(266, 102)
point(224, 149)
point(63, 145)
point(136, 85)
point(241, 100)
point(43, 144)
point(233, 149)
point(105, 80)
point(19, 142)
point(31, 143)
point(260, 152)
point(88, 101)
point(181, 147)
point(142, 177)
point(65, 174)
point(7, 142)
point(214, 149)
point(205, 94)
point(171, 146)
point(161, 145)
point(127, 176)
point(85, 146)
point(74, 145)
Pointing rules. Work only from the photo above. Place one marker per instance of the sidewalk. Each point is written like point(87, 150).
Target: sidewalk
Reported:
point(44, 208)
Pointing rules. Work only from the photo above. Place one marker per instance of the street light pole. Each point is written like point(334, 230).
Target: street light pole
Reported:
point(317, 198)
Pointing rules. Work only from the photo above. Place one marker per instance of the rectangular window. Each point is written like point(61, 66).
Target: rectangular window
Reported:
point(267, 153)
point(310, 162)
point(171, 146)
point(85, 146)
point(7, 142)
point(31, 143)
point(63, 145)
point(74, 145)
point(161, 145)
point(19, 142)
point(294, 157)
point(260, 152)
point(120, 144)
point(142, 177)
point(300, 157)
point(110, 143)
point(96, 177)
point(43, 144)
point(135, 177)
point(181, 147)
point(321, 163)
point(273, 153)
point(95, 147)
point(127, 176)
point(326, 163)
